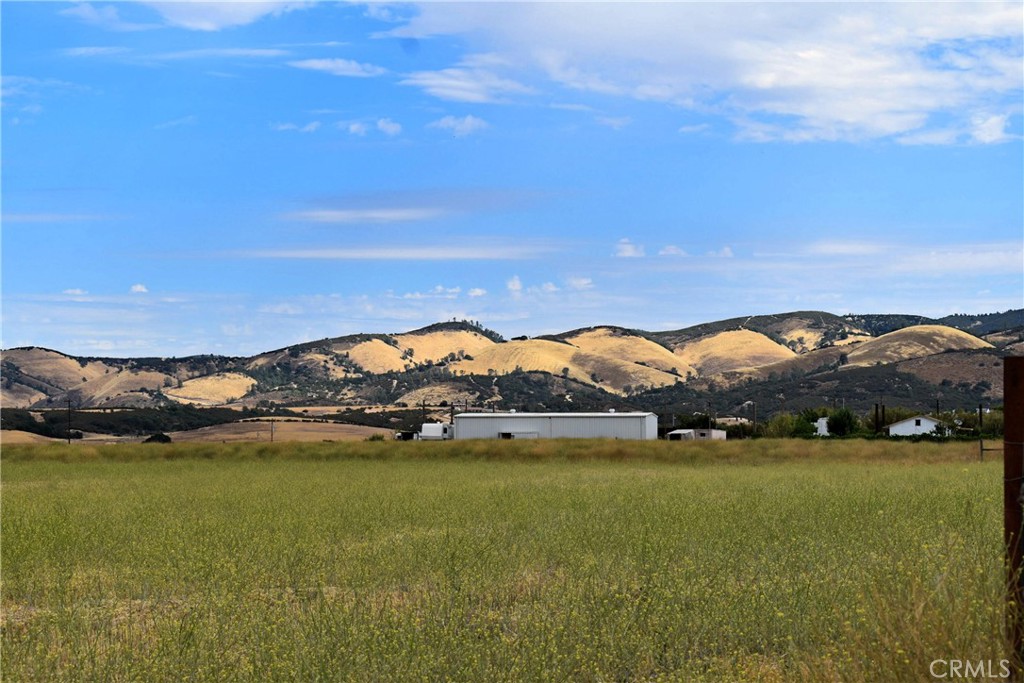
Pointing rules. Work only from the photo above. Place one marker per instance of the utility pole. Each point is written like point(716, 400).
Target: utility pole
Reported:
point(69, 420)
point(1013, 488)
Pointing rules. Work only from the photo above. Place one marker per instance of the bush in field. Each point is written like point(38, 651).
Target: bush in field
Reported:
point(842, 422)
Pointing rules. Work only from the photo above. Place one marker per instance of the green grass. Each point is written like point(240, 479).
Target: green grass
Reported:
point(583, 561)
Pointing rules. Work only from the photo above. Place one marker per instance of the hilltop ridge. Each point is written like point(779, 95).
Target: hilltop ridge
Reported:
point(600, 365)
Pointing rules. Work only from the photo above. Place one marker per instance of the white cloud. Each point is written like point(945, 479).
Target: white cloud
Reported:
point(989, 129)
point(549, 288)
point(615, 123)
point(356, 128)
point(438, 292)
point(460, 127)
point(95, 51)
point(310, 127)
point(389, 127)
point(75, 292)
point(627, 249)
point(190, 120)
point(671, 250)
point(106, 17)
point(724, 252)
point(697, 128)
point(778, 71)
point(476, 292)
point(466, 83)
point(373, 215)
point(199, 15)
point(514, 286)
point(139, 289)
point(218, 52)
point(340, 67)
point(281, 309)
point(508, 252)
point(579, 284)
point(844, 248)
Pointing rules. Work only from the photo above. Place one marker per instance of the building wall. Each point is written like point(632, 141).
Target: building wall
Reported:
point(637, 426)
point(910, 428)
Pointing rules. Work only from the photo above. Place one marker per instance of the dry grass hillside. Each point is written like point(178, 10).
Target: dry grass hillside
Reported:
point(55, 369)
point(612, 374)
point(212, 390)
point(731, 351)
point(914, 342)
point(378, 356)
point(435, 394)
point(117, 388)
point(434, 346)
point(604, 341)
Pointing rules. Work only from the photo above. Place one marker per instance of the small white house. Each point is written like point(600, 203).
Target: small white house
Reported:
point(696, 435)
point(912, 426)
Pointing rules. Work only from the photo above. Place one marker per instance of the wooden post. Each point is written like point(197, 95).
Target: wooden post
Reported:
point(1013, 481)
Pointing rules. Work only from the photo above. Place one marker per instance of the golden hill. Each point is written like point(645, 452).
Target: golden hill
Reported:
point(729, 351)
point(93, 381)
point(55, 369)
point(212, 390)
point(612, 374)
point(435, 346)
point(378, 356)
point(604, 341)
point(914, 342)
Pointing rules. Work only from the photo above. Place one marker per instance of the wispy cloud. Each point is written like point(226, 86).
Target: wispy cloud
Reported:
point(106, 17)
point(614, 122)
point(310, 127)
point(627, 249)
point(497, 252)
point(514, 286)
point(95, 51)
point(139, 288)
point(476, 292)
point(189, 120)
point(371, 215)
point(671, 250)
point(215, 16)
point(460, 127)
point(389, 127)
point(850, 72)
point(220, 52)
point(579, 284)
point(471, 81)
point(340, 67)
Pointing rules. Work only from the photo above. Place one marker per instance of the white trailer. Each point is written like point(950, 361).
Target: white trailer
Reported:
point(634, 426)
point(435, 431)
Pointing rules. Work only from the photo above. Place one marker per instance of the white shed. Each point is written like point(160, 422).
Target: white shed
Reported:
point(636, 426)
point(696, 435)
point(912, 426)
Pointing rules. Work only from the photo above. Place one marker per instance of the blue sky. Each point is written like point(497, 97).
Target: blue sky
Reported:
point(188, 177)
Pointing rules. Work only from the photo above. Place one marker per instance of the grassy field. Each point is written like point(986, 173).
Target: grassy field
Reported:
point(487, 561)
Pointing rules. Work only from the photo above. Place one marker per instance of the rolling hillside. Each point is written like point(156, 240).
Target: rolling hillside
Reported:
point(602, 366)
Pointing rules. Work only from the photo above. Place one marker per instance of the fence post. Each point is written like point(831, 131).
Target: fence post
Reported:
point(1013, 487)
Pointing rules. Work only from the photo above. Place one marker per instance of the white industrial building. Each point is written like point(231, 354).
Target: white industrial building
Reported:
point(912, 426)
point(634, 426)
